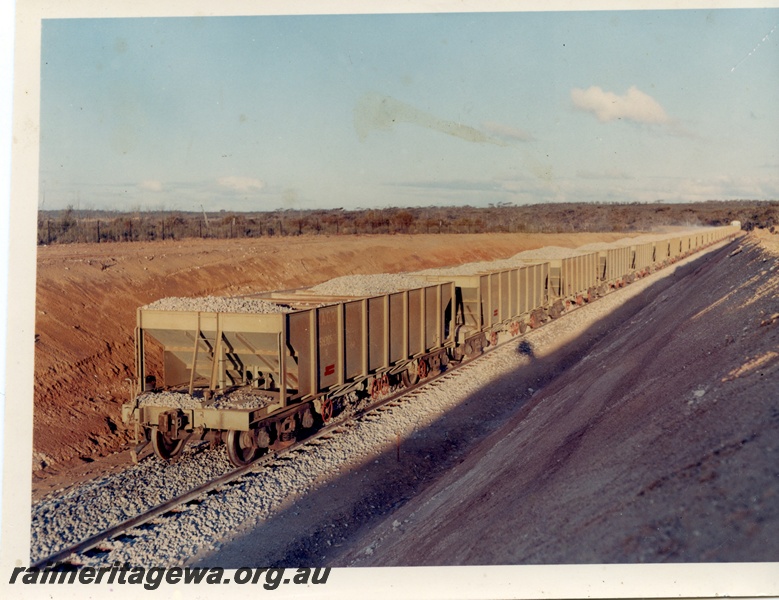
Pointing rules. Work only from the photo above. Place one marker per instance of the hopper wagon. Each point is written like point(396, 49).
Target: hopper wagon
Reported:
point(643, 257)
point(253, 380)
point(615, 267)
point(662, 252)
point(674, 249)
point(572, 280)
point(490, 303)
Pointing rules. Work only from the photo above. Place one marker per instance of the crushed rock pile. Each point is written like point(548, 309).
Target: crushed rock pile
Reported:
point(169, 399)
point(217, 304)
point(369, 285)
point(518, 260)
point(547, 252)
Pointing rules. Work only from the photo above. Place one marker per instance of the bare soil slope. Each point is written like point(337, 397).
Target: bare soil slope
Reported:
point(659, 445)
point(87, 295)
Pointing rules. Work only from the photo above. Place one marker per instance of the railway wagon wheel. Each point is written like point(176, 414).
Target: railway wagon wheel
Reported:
point(242, 447)
point(457, 353)
point(164, 446)
point(410, 376)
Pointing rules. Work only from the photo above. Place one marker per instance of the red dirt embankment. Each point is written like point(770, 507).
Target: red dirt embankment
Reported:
point(87, 295)
point(659, 445)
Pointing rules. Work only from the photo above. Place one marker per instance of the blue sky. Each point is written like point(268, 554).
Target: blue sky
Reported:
point(259, 113)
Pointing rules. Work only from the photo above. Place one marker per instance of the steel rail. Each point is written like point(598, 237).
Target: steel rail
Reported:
point(400, 395)
point(169, 505)
point(406, 393)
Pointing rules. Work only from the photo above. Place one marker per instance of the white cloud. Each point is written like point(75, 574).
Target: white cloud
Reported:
point(634, 105)
point(151, 185)
point(241, 184)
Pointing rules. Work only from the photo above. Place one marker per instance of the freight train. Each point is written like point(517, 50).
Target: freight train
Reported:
point(260, 380)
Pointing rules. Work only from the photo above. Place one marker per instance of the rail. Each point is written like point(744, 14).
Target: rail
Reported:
point(67, 554)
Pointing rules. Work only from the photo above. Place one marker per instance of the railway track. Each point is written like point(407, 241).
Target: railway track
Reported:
point(153, 516)
point(69, 556)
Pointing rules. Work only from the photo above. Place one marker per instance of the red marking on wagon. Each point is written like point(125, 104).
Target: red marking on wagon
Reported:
point(329, 369)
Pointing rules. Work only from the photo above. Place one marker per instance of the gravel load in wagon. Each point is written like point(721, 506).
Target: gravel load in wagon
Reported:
point(548, 252)
point(216, 304)
point(467, 269)
point(474, 268)
point(169, 399)
point(518, 260)
point(596, 246)
point(368, 285)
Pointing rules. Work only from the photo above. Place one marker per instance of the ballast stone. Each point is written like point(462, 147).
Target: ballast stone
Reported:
point(217, 304)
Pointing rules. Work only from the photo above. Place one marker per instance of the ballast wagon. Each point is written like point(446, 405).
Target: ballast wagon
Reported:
point(494, 302)
point(257, 379)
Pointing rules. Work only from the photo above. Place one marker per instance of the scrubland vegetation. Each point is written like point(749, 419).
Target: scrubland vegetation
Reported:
point(73, 225)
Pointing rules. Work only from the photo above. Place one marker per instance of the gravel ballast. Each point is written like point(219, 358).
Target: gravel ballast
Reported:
point(169, 399)
point(369, 285)
point(62, 519)
point(217, 304)
point(520, 259)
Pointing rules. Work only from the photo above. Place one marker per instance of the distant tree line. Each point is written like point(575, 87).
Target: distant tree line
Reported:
point(71, 225)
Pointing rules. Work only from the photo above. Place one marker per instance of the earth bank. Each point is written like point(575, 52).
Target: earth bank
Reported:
point(658, 445)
